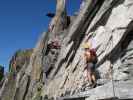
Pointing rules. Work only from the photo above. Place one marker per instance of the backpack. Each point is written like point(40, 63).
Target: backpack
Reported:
point(93, 56)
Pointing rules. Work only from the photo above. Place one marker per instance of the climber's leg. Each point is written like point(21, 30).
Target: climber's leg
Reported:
point(93, 78)
point(93, 75)
point(89, 74)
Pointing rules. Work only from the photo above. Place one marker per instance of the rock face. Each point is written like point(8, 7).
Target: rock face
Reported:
point(59, 73)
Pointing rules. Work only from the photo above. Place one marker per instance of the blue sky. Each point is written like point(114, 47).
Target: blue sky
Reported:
point(22, 22)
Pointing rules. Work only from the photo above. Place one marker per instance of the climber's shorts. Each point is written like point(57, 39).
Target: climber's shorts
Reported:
point(90, 66)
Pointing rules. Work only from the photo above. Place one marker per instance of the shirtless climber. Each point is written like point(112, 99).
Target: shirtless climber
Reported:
point(91, 60)
point(54, 44)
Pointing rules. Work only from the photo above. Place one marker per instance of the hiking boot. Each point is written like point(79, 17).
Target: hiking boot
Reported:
point(93, 85)
point(88, 88)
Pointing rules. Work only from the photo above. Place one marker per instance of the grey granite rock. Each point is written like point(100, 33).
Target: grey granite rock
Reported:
point(61, 74)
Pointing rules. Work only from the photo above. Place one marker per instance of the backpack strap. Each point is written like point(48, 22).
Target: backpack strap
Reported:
point(94, 56)
point(93, 52)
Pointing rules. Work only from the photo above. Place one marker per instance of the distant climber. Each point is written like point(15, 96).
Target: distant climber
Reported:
point(91, 60)
point(54, 44)
point(12, 65)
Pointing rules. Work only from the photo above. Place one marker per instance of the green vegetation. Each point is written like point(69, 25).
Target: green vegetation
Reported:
point(19, 59)
point(94, 34)
point(38, 94)
point(25, 53)
point(1, 72)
